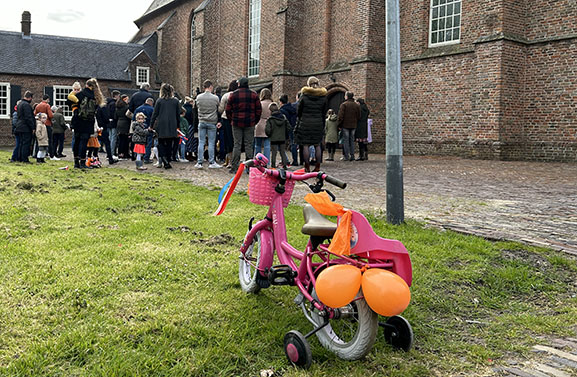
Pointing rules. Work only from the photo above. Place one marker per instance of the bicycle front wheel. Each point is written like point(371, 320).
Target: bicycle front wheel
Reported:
point(352, 332)
point(247, 272)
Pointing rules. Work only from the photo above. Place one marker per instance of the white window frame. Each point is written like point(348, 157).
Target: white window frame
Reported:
point(8, 112)
point(142, 69)
point(443, 4)
point(59, 101)
point(254, 21)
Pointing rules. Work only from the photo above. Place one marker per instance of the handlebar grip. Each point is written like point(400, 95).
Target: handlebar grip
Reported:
point(249, 163)
point(336, 182)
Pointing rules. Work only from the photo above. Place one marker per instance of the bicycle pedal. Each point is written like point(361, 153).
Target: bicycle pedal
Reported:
point(281, 275)
point(262, 281)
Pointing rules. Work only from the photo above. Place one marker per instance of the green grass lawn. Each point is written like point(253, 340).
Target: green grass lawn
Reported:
point(114, 273)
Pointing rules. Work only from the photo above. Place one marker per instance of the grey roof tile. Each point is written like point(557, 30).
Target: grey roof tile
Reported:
point(48, 55)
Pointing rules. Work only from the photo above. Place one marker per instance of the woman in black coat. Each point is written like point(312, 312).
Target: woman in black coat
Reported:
point(88, 100)
point(310, 127)
point(165, 121)
point(122, 126)
point(362, 131)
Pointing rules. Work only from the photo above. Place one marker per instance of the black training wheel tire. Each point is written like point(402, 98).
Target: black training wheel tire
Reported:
point(398, 333)
point(297, 349)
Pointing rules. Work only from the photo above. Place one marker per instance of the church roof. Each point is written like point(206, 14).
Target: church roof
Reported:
point(49, 55)
point(157, 4)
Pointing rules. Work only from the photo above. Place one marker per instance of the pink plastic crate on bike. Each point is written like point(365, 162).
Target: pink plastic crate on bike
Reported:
point(261, 188)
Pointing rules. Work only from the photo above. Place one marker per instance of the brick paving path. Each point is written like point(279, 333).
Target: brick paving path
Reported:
point(532, 202)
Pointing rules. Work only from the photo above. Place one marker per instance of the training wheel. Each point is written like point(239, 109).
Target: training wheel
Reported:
point(297, 349)
point(398, 333)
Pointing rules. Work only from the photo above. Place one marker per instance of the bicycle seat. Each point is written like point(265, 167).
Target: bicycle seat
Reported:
point(316, 224)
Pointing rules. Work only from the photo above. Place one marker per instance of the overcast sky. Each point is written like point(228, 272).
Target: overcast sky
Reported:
point(104, 19)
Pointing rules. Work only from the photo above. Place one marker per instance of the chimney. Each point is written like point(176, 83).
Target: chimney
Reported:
point(26, 24)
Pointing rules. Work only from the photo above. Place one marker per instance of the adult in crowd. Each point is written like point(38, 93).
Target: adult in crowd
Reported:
point(58, 130)
point(165, 121)
point(147, 109)
point(45, 108)
point(348, 119)
point(226, 126)
point(261, 141)
point(14, 157)
point(243, 110)
point(191, 117)
point(25, 127)
point(88, 100)
point(112, 131)
point(122, 126)
point(103, 119)
point(207, 104)
point(139, 98)
point(362, 131)
point(310, 128)
point(290, 113)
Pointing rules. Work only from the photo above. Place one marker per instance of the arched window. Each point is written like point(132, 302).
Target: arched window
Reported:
point(254, 38)
point(192, 36)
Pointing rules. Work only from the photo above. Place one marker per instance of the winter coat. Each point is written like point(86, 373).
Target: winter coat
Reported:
point(147, 110)
point(362, 125)
point(26, 121)
point(166, 118)
point(41, 134)
point(191, 116)
point(222, 105)
point(122, 121)
point(276, 128)
point(44, 107)
point(111, 107)
point(14, 121)
point(289, 111)
point(84, 126)
point(332, 129)
point(58, 123)
point(139, 133)
point(138, 99)
point(243, 108)
point(349, 114)
point(311, 112)
point(183, 126)
point(102, 117)
point(259, 129)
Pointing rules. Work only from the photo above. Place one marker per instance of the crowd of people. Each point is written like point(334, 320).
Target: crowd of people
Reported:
point(211, 127)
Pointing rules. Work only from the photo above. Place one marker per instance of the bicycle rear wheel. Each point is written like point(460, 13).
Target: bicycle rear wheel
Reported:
point(247, 272)
point(351, 333)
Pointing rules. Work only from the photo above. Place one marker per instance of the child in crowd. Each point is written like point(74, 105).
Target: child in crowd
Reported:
point(93, 146)
point(139, 134)
point(41, 137)
point(182, 132)
point(331, 134)
point(72, 103)
point(276, 129)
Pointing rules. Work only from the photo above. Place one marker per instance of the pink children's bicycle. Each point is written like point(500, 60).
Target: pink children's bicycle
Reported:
point(345, 323)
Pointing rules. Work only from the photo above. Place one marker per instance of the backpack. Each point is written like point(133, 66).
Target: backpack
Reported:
point(87, 108)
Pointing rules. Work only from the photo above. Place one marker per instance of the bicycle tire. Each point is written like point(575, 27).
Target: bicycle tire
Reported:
point(350, 338)
point(246, 271)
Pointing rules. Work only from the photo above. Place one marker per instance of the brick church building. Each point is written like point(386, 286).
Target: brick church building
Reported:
point(484, 79)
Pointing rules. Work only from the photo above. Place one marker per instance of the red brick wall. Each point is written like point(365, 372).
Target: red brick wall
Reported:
point(487, 97)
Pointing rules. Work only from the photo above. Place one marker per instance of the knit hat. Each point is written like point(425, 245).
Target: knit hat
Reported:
point(312, 80)
point(273, 107)
point(243, 82)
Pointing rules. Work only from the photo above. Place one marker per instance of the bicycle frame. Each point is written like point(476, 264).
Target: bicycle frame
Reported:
point(365, 244)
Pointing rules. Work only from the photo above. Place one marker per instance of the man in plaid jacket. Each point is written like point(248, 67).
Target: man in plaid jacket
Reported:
point(243, 110)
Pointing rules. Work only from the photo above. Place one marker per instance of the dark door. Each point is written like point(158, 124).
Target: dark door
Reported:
point(335, 101)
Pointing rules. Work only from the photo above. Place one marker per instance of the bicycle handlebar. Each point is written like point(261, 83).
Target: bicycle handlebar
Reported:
point(260, 162)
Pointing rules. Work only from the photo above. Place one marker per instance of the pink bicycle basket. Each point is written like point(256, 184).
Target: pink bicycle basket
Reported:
point(261, 188)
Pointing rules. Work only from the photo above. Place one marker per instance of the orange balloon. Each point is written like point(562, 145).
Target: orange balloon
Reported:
point(385, 292)
point(338, 285)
